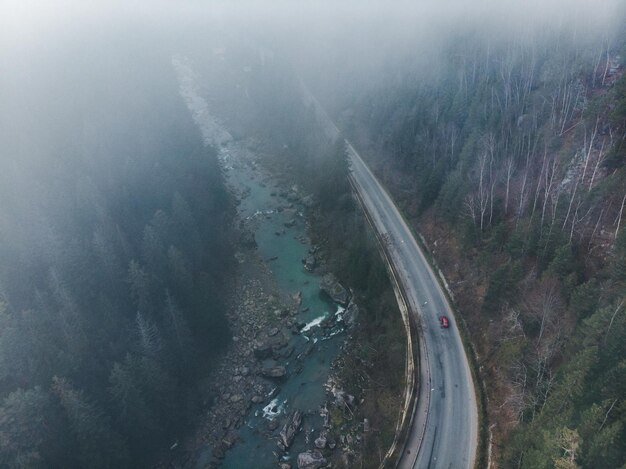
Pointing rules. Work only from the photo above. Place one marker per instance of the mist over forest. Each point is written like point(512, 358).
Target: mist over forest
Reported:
point(498, 128)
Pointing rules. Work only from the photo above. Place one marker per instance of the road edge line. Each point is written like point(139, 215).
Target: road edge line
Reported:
point(413, 366)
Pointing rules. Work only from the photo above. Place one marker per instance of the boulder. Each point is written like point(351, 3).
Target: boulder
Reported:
point(270, 346)
point(291, 428)
point(298, 299)
point(311, 460)
point(308, 348)
point(320, 442)
point(274, 371)
point(310, 262)
point(331, 286)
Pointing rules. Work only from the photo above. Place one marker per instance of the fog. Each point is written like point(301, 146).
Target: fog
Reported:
point(70, 68)
point(55, 55)
point(114, 215)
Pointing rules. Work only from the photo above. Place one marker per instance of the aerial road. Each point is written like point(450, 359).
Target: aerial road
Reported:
point(443, 430)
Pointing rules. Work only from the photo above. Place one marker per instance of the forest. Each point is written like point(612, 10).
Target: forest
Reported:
point(502, 141)
point(509, 155)
point(114, 255)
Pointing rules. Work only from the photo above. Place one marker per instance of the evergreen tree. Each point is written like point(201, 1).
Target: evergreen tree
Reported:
point(98, 444)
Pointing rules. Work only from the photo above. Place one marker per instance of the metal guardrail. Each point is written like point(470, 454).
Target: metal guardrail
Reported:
point(413, 386)
point(413, 331)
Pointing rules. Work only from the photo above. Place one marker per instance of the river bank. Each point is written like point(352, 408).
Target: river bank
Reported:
point(288, 318)
point(274, 400)
point(322, 377)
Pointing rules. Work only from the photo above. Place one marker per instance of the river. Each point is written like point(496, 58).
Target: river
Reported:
point(277, 220)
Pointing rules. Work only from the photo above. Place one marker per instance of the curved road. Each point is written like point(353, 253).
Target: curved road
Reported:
point(444, 428)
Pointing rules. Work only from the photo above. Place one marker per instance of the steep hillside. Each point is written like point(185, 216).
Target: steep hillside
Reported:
point(509, 156)
point(113, 250)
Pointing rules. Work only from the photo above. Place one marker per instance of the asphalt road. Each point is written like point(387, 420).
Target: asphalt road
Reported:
point(444, 429)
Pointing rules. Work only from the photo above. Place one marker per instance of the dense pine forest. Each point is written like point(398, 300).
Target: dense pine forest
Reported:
point(508, 153)
point(113, 255)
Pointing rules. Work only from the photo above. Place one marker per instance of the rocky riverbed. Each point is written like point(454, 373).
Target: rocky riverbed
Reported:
point(273, 401)
point(272, 344)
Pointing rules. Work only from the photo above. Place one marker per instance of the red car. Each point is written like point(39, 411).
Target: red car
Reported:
point(443, 320)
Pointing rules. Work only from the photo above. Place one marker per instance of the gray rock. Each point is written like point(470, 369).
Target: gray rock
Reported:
point(320, 442)
point(308, 348)
point(274, 371)
point(291, 428)
point(331, 286)
point(310, 262)
point(308, 201)
point(271, 345)
point(311, 460)
point(298, 299)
